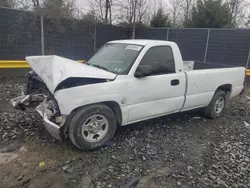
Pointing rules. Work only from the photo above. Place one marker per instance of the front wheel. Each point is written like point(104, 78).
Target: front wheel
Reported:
point(92, 126)
point(217, 106)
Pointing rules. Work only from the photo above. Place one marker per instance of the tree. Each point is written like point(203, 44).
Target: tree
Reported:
point(90, 18)
point(210, 14)
point(186, 7)
point(160, 19)
point(103, 9)
point(53, 8)
point(26, 4)
point(175, 9)
point(59, 8)
point(7, 3)
point(36, 3)
point(132, 11)
point(237, 10)
point(247, 24)
point(137, 25)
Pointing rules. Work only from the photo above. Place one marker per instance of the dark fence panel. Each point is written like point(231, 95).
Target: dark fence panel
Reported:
point(72, 39)
point(105, 33)
point(225, 46)
point(19, 34)
point(156, 34)
point(192, 42)
point(229, 46)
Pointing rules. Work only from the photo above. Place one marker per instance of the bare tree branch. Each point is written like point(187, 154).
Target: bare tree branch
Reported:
point(133, 11)
point(238, 10)
point(8, 3)
point(102, 8)
point(175, 8)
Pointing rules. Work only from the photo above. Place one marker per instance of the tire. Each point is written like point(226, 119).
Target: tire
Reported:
point(92, 126)
point(215, 110)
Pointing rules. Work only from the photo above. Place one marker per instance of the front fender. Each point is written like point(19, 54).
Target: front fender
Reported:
point(67, 105)
point(73, 98)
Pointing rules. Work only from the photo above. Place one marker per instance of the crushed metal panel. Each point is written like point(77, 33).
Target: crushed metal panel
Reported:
point(54, 69)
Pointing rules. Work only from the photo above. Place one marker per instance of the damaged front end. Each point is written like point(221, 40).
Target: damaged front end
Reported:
point(49, 75)
point(36, 95)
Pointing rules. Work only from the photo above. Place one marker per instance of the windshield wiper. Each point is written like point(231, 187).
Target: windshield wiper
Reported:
point(100, 67)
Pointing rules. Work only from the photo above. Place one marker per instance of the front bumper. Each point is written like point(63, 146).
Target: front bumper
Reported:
point(53, 129)
point(46, 109)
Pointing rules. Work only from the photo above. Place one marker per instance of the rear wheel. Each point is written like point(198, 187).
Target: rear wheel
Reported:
point(92, 126)
point(217, 106)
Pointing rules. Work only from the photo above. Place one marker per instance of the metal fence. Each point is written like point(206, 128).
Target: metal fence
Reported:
point(223, 46)
point(25, 33)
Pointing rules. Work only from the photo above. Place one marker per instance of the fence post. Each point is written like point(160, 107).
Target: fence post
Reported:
point(42, 34)
point(167, 34)
point(208, 37)
point(133, 32)
point(95, 37)
point(248, 59)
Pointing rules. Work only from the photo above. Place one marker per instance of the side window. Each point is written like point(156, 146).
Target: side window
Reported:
point(161, 59)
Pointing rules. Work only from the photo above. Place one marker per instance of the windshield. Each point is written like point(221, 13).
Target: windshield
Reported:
point(116, 58)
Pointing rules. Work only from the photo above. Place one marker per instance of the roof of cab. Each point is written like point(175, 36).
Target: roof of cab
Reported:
point(141, 42)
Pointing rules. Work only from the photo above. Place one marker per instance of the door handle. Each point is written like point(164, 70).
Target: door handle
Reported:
point(175, 82)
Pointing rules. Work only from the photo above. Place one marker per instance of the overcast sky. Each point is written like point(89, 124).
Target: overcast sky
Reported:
point(83, 4)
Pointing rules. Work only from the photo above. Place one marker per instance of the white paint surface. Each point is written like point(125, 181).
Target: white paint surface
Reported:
point(54, 69)
point(146, 97)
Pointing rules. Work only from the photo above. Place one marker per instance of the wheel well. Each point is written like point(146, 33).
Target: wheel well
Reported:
point(227, 88)
point(115, 107)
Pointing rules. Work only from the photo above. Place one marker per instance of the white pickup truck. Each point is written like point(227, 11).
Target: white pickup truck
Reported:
point(126, 81)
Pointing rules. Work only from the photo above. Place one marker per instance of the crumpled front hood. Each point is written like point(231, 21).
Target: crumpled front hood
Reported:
point(54, 69)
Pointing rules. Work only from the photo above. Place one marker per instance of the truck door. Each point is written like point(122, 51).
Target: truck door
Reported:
point(160, 93)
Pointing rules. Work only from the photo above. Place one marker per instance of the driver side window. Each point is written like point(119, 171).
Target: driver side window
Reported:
point(161, 59)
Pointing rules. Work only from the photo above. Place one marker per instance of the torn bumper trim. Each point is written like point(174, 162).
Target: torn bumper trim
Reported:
point(51, 127)
point(46, 109)
point(24, 101)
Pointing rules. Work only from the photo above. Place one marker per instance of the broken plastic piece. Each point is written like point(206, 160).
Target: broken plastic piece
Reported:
point(26, 100)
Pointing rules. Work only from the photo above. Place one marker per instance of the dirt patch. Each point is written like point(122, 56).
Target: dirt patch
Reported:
point(181, 150)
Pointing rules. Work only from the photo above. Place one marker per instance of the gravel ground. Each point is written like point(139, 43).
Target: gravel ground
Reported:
point(182, 150)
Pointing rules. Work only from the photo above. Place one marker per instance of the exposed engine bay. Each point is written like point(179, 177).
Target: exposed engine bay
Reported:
point(36, 95)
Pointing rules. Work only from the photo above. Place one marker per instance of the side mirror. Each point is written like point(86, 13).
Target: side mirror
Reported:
point(143, 70)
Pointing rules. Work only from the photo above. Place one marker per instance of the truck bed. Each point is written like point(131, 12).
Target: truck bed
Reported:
point(197, 65)
point(203, 79)
point(201, 65)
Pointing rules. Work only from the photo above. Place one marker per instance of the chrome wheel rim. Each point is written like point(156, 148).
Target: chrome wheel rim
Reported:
point(219, 105)
point(95, 128)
